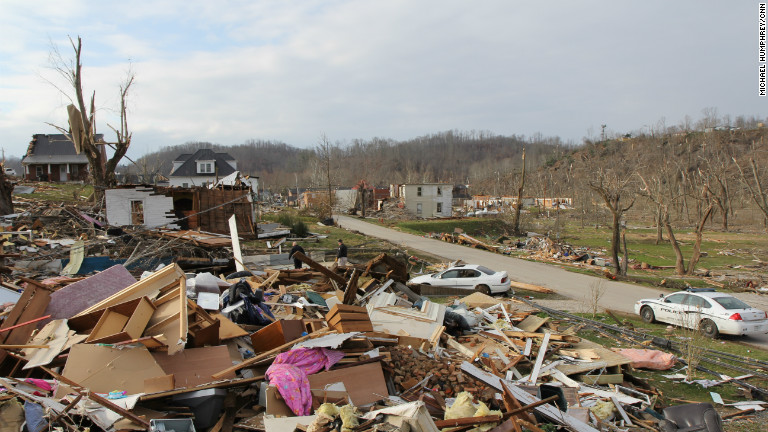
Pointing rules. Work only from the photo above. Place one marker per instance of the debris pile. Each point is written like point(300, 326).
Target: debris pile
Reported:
point(188, 346)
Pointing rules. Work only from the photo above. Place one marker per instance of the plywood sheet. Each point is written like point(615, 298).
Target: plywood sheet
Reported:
point(195, 366)
point(608, 358)
point(104, 369)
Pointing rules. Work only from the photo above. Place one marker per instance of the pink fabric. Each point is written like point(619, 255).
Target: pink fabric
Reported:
point(649, 359)
point(289, 374)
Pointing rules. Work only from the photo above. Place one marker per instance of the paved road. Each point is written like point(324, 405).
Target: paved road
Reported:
point(617, 296)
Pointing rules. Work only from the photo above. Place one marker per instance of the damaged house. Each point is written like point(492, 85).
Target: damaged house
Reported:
point(53, 158)
point(201, 209)
point(426, 200)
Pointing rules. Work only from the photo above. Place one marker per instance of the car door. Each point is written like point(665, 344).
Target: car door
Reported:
point(467, 278)
point(448, 278)
point(671, 308)
point(693, 309)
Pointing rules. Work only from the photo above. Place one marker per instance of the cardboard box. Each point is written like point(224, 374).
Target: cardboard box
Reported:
point(364, 383)
point(103, 369)
point(122, 322)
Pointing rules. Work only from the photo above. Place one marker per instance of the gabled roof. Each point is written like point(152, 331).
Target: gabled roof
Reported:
point(55, 148)
point(189, 167)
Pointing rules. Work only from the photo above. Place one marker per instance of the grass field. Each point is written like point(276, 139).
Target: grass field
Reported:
point(723, 252)
point(60, 192)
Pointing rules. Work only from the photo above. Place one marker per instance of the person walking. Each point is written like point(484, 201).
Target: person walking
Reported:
point(296, 248)
point(341, 254)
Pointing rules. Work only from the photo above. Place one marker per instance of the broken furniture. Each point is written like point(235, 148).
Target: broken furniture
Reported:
point(691, 418)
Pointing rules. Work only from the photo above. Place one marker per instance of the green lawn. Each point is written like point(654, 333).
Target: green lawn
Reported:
point(59, 192)
point(722, 251)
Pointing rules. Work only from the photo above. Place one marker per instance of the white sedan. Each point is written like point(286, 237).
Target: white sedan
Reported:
point(712, 312)
point(467, 276)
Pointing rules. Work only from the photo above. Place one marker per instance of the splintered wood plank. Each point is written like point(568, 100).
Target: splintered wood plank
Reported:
point(532, 323)
point(539, 359)
point(320, 268)
point(350, 293)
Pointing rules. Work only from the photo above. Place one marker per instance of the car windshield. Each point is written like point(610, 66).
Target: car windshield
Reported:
point(485, 270)
point(731, 303)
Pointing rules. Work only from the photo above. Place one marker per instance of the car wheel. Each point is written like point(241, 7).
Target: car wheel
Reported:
point(646, 313)
point(483, 289)
point(709, 328)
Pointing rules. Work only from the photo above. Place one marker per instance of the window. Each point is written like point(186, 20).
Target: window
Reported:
point(450, 274)
point(486, 270)
point(73, 169)
point(418, 208)
point(137, 212)
point(185, 185)
point(38, 171)
point(731, 303)
point(418, 191)
point(439, 207)
point(205, 167)
point(697, 302)
point(439, 192)
point(675, 298)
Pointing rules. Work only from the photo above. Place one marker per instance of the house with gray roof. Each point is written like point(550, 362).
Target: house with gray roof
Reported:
point(201, 168)
point(53, 158)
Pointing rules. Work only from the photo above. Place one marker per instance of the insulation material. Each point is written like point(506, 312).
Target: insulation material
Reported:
point(649, 359)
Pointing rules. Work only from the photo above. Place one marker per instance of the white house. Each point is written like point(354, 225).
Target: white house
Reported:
point(426, 200)
point(201, 168)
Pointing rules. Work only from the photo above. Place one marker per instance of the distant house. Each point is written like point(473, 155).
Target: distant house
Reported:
point(53, 158)
point(426, 200)
point(201, 168)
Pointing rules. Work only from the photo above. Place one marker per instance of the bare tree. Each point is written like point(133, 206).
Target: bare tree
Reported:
point(754, 182)
point(611, 186)
point(325, 154)
point(519, 203)
point(657, 195)
point(82, 130)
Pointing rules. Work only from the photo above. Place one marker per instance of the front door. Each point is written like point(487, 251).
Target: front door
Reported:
point(63, 173)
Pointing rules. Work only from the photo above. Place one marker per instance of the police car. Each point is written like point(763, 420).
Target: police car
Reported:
point(713, 312)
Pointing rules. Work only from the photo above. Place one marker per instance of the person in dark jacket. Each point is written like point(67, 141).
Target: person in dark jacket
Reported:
point(294, 249)
point(341, 254)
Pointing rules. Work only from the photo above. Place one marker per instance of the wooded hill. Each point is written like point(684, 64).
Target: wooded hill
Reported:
point(682, 172)
point(452, 156)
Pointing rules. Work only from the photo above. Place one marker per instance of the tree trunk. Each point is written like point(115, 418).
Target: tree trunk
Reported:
point(697, 246)
point(679, 260)
point(6, 195)
point(519, 204)
point(625, 263)
point(659, 226)
point(615, 242)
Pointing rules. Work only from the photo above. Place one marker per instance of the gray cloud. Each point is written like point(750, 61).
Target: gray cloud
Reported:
point(229, 71)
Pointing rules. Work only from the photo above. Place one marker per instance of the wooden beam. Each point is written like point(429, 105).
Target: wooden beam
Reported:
point(466, 421)
point(319, 267)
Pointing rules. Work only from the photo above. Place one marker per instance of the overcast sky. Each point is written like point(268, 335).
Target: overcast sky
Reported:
point(229, 71)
